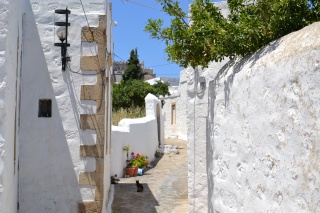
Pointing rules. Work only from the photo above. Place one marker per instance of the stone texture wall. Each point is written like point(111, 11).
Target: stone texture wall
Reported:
point(197, 111)
point(94, 121)
point(259, 150)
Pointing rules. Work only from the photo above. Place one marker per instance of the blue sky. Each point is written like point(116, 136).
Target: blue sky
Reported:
point(131, 18)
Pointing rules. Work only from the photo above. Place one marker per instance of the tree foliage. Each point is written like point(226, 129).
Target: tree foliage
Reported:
point(210, 36)
point(131, 93)
point(133, 71)
point(132, 90)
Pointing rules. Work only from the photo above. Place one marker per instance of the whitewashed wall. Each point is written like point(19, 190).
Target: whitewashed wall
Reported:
point(140, 133)
point(49, 160)
point(259, 151)
point(10, 48)
point(179, 129)
point(197, 111)
point(108, 112)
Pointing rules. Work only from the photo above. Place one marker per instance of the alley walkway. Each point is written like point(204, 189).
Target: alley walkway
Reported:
point(165, 186)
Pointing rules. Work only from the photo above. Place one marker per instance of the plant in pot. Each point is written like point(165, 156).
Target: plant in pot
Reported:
point(127, 149)
point(141, 161)
point(131, 169)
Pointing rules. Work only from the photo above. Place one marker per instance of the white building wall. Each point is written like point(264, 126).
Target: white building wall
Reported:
point(259, 150)
point(108, 112)
point(140, 133)
point(179, 98)
point(50, 162)
point(10, 47)
point(197, 110)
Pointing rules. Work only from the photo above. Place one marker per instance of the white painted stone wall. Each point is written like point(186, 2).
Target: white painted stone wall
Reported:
point(253, 138)
point(108, 112)
point(140, 133)
point(49, 159)
point(10, 48)
point(179, 98)
point(197, 111)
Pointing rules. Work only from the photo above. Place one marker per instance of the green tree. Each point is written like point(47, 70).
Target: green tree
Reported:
point(210, 36)
point(161, 89)
point(133, 71)
point(132, 93)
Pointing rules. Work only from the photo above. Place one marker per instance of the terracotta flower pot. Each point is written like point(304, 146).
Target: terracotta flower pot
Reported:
point(130, 171)
point(135, 170)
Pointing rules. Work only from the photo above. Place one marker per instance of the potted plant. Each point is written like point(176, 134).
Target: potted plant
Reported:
point(127, 149)
point(140, 161)
point(130, 169)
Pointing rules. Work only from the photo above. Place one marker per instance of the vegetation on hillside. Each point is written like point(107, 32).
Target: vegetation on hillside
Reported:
point(129, 94)
point(250, 25)
point(121, 113)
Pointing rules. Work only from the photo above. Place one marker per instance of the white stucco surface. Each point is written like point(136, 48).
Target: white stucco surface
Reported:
point(197, 111)
point(179, 98)
point(253, 139)
point(10, 47)
point(140, 133)
point(108, 113)
point(49, 159)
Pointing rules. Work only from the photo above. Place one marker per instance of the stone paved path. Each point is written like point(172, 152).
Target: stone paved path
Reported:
point(165, 186)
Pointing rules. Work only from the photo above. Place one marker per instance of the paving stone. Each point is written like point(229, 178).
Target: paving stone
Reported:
point(165, 186)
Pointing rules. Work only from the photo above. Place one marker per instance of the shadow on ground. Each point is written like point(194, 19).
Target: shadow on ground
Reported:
point(133, 201)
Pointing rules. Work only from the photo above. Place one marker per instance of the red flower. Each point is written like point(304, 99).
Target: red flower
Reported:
point(132, 153)
point(138, 154)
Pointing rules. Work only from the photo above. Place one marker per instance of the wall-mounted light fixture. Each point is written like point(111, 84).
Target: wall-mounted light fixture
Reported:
point(62, 33)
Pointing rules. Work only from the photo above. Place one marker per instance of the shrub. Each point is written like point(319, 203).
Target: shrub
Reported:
point(133, 112)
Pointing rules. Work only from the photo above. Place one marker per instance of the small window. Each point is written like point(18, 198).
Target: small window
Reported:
point(45, 106)
point(173, 113)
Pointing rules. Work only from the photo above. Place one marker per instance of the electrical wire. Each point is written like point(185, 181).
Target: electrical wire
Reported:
point(160, 65)
point(78, 72)
point(90, 32)
point(118, 57)
point(143, 5)
point(96, 54)
point(84, 13)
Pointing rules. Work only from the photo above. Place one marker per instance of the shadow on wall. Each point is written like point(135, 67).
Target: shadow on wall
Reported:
point(133, 201)
point(210, 144)
point(236, 65)
point(48, 181)
point(210, 125)
point(239, 63)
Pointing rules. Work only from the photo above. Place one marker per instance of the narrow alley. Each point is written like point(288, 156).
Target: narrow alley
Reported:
point(165, 186)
